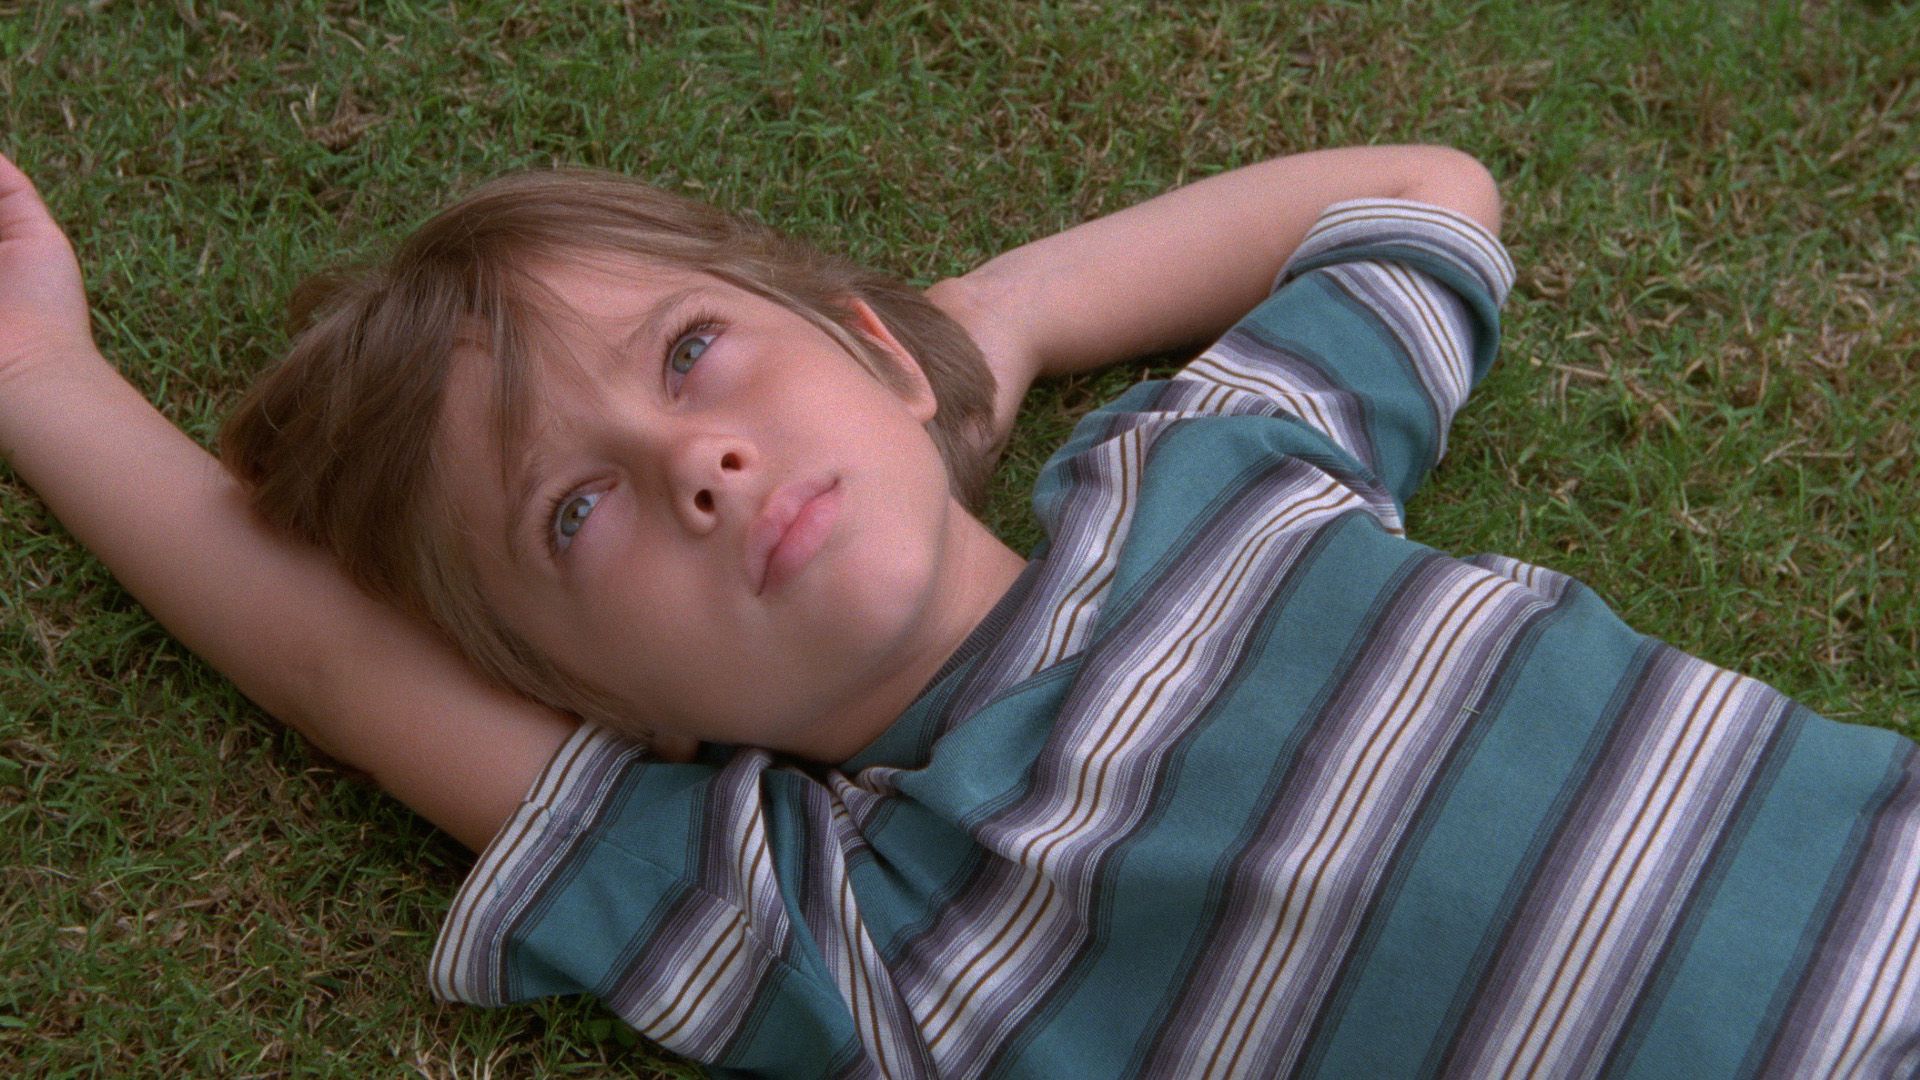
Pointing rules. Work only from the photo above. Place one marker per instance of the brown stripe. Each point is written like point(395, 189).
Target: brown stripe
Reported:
point(1046, 903)
point(1225, 587)
point(478, 893)
point(731, 933)
point(743, 853)
point(1347, 822)
point(1247, 558)
point(1613, 864)
point(1055, 640)
point(1879, 972)
point(1469, 230)
point(1284, 393)
point(1245, 561)
point(1420, 305)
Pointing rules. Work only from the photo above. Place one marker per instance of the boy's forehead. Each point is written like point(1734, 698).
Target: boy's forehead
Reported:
point(493, 433)
point(575, 316)
point(615, 289)
point(502, 396)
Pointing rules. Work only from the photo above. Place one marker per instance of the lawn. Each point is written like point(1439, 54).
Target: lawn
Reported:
point(1707, 407)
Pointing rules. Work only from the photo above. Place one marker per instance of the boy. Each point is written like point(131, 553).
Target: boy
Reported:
point(1230, 779)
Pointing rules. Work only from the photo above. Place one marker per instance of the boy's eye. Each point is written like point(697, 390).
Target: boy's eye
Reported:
point(686, 351)
point(568, 515)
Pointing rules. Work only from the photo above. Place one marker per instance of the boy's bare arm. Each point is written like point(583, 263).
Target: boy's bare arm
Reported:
point(1179, 269)
point(367, 685)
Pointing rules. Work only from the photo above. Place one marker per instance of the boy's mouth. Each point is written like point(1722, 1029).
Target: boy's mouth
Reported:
point(789, 530)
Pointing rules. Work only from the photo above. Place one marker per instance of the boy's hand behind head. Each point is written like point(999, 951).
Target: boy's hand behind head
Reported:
point(43, 306)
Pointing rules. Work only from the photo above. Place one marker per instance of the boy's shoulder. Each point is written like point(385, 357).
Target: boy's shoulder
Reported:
point(1375, 333)
point(1432, 239)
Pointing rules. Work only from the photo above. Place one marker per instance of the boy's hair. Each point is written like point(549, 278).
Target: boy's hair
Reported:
point(339, 441)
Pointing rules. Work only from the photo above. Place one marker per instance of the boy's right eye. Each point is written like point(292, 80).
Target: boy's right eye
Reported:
point(687, 345)
point(570, 512)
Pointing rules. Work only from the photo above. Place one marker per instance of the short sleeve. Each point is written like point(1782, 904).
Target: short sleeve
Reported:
point(1379, 326)
point(521, 926)
point(650, 886)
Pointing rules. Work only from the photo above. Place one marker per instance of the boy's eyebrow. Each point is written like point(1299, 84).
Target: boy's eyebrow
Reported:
point(529, 472)
point(650, 325)
point(531, 468)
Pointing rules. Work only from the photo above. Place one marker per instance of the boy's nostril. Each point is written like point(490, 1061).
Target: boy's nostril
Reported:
point(704, 500)
point(730, 462)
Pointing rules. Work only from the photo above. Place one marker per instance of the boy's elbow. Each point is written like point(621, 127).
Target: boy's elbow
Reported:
point(1458, 181)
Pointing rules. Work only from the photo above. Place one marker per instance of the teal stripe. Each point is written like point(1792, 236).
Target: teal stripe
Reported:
point(1168, 892)
point(921, 856)
point(574, 939)
point(1721, 1003)
point(583, 937)
point(786, 1034)
point(1428, 942)
point(1157, 897)
point(1184, 492)
point(1354, 350)
point(1467, 278)
point(1057, 484)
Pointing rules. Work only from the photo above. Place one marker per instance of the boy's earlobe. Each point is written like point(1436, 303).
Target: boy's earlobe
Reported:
point(909, 380)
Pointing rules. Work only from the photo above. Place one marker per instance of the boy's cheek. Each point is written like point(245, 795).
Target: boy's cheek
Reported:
point(609, 544)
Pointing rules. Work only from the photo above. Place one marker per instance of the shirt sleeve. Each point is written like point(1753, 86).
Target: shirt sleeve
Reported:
point(650, 886)
point(1379, 326)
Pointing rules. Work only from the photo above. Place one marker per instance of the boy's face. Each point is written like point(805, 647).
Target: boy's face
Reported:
point(720, 517)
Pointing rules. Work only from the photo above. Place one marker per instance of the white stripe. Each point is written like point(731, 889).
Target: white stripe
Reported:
point(1255, 390)
point(461, 957)
point(1442, 332)
point(742, 925)
point(1894, 932)
point(860, 975)
point(718, 975)
point(1272, 384)
point(1411, 309)
point(1104, 533)
point(1314, 851)
point(1090, 528)
point(1062, 820)
point(1059, 831)
point(1418, 224)
point(1630, 876)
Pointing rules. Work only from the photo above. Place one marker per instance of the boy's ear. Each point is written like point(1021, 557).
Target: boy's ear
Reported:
point(910, 381)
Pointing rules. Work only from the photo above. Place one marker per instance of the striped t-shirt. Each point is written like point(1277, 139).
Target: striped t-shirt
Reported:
point(1239, 781)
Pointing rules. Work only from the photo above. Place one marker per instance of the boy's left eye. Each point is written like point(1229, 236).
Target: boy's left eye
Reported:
point(568, 514)
point(687, 350)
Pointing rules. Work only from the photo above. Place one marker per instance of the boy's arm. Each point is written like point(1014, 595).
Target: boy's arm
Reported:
point(1179, 269)
point(370, 687)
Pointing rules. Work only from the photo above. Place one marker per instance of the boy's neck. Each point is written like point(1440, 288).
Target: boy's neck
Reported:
point(981, 571)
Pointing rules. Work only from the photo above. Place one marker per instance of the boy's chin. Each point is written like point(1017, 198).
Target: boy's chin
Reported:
point(675, 748)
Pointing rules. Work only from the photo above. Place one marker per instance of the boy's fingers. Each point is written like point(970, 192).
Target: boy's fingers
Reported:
point(21, 208)
point(43, 302)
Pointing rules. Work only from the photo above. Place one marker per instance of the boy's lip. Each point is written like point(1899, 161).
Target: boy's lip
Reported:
point(789, 529)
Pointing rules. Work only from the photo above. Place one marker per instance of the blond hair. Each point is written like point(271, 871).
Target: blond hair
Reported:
point(339, 443)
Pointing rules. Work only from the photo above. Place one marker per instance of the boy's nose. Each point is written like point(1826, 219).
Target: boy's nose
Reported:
point(708, 475)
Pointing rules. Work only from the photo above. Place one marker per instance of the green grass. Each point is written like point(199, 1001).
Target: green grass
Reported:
point(1707, 408)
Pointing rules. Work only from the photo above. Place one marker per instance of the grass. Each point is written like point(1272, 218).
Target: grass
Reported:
point(1707, 409)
